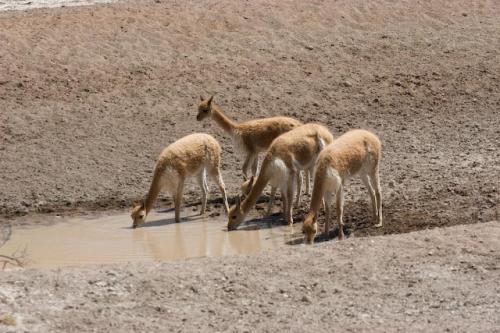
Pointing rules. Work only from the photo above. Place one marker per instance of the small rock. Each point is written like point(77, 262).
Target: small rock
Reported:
point(310, 48)
point(305, 299)
point(8, 320)
point(110, 273)
point(21, 210)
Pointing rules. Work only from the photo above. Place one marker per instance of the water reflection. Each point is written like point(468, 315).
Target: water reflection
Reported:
point(109, 239)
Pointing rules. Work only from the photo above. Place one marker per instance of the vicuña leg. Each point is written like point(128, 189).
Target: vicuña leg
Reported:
point(299, 188)
point(202, 182)
point(255, 164)
point(371, 192)
point(309, 176)
point(178, 199)
point(289, 197)
point(376, 184)
point(340, 210)
point(327, 202)
point(284, 201)
point(216, 176)
point(271, 200)
point(249, 160)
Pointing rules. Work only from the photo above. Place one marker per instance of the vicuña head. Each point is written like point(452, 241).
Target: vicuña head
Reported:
point(310, 228)
point(236, 215)
point(138, 214)
point(205, 108)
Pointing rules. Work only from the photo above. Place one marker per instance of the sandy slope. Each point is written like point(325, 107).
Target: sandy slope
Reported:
point(429, 281)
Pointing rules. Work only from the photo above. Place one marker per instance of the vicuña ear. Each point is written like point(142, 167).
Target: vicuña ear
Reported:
point(143, 204)
point(210, 100)
point(238, 203)
point(201, 98)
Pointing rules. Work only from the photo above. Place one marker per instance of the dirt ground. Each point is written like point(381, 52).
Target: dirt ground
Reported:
point(445, 280)
point(89, 97)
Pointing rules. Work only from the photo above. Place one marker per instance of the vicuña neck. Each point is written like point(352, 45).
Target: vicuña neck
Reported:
point(318, 190)
point(154, 189)
point(227, 124)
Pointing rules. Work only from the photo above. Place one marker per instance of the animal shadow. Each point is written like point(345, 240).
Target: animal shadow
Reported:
point(265, 222)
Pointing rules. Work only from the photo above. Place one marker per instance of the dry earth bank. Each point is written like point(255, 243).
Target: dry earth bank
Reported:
point(445, 279)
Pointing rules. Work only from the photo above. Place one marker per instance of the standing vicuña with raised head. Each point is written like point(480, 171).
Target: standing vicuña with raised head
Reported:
point(194, 155)
point(253, 136)
point(291, 152)
point(356, 152)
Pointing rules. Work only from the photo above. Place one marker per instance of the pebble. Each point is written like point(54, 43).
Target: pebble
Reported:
point(305, 299)
point(347, 84)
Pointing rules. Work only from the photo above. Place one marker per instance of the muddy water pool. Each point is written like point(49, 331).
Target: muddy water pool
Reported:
point(110, 239)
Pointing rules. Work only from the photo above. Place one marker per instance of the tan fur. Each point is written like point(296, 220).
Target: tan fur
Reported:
point(247, 185)
point(195, 155)
point(357, 152)
point(291, 152)
point(253, 136)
